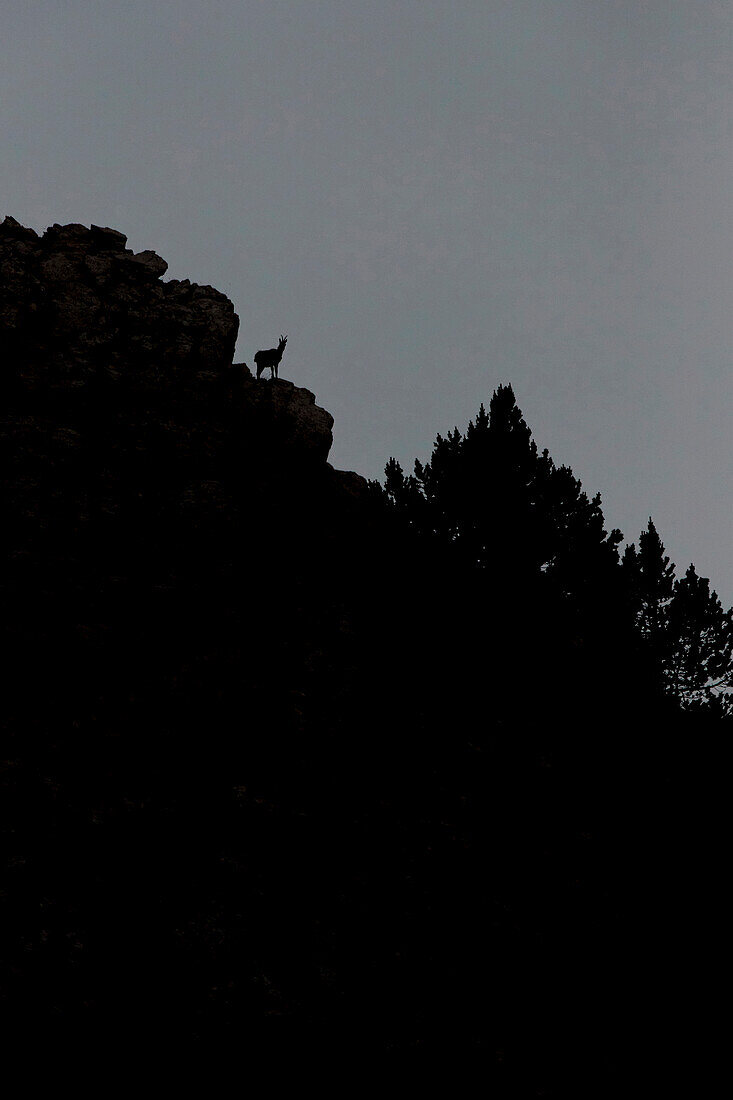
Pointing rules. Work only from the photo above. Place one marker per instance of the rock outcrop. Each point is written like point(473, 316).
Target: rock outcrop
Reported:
point(146, 480)
point(75, 304)
point(102, 361)
point(182, 574)
point(81, 312)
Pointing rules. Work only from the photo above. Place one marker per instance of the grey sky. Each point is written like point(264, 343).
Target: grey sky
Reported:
point(430, 198)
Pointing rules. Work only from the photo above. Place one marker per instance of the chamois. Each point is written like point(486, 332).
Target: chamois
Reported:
point(271, 358)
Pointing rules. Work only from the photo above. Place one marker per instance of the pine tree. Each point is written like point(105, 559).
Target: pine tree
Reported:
point(700, 662)
point(524, 548)
point(682, 624)
point(504, 507)
point(651, 578)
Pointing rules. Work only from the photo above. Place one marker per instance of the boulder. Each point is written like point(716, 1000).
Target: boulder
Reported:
point(153, 264)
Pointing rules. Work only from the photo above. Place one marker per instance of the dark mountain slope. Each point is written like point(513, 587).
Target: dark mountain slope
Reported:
point(280, 772)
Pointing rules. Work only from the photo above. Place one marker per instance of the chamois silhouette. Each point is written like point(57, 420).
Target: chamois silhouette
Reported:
point(271, 358)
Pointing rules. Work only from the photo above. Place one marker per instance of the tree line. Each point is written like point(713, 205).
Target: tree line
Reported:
point(494, 507)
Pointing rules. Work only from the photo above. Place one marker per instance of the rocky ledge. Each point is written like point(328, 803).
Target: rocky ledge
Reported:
point(90, 329)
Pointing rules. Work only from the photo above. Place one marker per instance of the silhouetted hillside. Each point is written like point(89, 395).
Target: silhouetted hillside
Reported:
point(293, 760)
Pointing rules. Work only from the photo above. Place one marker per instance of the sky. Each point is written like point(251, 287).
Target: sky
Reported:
point(430, 198)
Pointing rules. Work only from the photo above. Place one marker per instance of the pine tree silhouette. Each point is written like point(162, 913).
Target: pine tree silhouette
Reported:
point(683, 626)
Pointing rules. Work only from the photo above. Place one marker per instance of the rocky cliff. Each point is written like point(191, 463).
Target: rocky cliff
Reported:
point(82, 316)
point(143, 474)
point(180, 580)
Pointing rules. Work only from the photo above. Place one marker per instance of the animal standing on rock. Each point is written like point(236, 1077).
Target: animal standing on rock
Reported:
point(271, 358)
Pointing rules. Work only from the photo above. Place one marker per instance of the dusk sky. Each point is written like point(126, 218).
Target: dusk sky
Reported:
point(430, 199)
